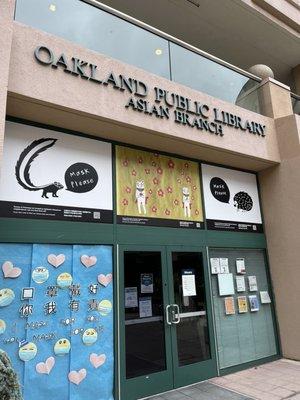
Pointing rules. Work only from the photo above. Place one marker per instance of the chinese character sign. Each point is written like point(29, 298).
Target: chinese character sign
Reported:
point(56, 319)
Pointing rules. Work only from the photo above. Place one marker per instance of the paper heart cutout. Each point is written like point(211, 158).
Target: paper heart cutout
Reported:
point(105, 279)
point(88, 261)
point(56, 260)
point(97, 360)
point(45, 367)
point(9, 271)
point(77, 377)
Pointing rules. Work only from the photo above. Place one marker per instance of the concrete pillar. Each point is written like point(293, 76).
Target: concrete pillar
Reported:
point(275, 99)
point(280, 195)
point(7, 8)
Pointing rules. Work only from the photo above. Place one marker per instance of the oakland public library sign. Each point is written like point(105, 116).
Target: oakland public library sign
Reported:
point(186, 111)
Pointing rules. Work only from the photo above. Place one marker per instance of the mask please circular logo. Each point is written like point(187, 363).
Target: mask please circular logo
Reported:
point(81, 178)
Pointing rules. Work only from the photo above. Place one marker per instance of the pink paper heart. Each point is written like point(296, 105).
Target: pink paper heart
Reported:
point(77, 377)
point(88, 261)
point(45, 367)
point(9, 271)
point(105, 279)
point(56, 261)
point(97, 360)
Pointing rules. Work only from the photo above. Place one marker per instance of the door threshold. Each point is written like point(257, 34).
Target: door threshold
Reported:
point(173, 390)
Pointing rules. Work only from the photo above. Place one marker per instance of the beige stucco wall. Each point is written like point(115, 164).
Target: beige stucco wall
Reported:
point(281, 207)
point(51, 95)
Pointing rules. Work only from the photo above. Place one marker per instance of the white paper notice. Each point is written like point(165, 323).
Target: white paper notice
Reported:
point(264, 297)
point(131, 299)
point(240, 266)
point(145, 307)
point(188, 285)
point(224, 267)
point(240, 284)
point(215, 265)
point(252, 283)
point(225, 282)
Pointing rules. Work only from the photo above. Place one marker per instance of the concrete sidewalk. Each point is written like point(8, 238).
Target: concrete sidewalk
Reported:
point(273, 381)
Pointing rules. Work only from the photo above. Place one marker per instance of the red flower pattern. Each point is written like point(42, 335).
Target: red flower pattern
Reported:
point(167, 212)
point(125, 163)
point(160, 192)
point(188, 179)
point(125, 202)
point(169, 189)
point(150, 191)
point(186, 165)
point(153, 164)
point(159, 171)
point(140, 160)
point(147, 170)
point(128, 189)
point(176, 202)
point(171, 164)
point(197, 212)
point(133, 172)
point(155, 181)
point(154, 209)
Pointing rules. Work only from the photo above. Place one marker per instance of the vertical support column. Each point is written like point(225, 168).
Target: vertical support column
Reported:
point(7, 8)
point(280, 191)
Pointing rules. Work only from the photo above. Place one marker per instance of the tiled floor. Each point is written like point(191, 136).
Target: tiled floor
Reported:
point(273, 381)
point(201, 391)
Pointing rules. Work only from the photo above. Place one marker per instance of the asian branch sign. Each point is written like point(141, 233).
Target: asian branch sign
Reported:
point(166, 105)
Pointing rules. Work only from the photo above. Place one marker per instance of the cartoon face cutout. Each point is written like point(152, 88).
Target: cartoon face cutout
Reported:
point(64, 280)
point(140, 185)
point(62, 347)
point(89, 336)
point(2, 326)
point(185, 191)
point(28, 351)
point(104, 307)
point(7, 296)
point(40, 274)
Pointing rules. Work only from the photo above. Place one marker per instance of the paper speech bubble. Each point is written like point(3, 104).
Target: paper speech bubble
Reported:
point(81, 178)
point(220, 190)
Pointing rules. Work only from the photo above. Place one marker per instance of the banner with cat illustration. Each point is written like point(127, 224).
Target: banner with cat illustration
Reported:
point(49, 174)
point(157, 190)
point(231, 200)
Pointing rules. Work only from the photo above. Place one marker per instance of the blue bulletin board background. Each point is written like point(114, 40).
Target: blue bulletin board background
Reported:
point(86, 371)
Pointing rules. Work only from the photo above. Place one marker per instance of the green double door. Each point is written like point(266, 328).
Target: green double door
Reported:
point(166, 333)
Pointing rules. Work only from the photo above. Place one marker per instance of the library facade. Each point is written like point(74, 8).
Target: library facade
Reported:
point(149, 230)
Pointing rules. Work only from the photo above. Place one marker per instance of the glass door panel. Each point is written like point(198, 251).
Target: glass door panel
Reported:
point(144, 313)
point(189, 295)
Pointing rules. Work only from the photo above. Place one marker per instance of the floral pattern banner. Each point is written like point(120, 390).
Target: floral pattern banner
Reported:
point(157, 190)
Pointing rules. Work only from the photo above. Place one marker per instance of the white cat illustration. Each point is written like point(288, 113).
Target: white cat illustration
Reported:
point(186, 202)
point(140, 196)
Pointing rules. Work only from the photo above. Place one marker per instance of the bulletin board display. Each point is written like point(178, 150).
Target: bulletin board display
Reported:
point(245, 331)
point(56, 319)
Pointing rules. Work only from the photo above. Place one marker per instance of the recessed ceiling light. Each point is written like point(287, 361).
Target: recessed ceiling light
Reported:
point(158, 52)
point(52, 7)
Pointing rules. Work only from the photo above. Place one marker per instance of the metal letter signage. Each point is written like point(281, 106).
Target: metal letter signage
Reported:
point(186, 111)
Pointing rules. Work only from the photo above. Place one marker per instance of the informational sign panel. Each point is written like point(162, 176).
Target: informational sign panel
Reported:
point(157, 190)
point(53, 175)
point(231, 200)
point(56, 319)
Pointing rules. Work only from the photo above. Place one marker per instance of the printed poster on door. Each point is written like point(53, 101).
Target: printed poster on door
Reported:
point(231, 200)
point(157, 190)
point(52, 175)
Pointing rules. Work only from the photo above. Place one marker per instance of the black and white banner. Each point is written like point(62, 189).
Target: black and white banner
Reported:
point(49, 174)
point(231, 200)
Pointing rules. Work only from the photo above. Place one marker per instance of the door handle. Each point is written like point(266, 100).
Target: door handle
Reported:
point(167, 314)
point(177, 313)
